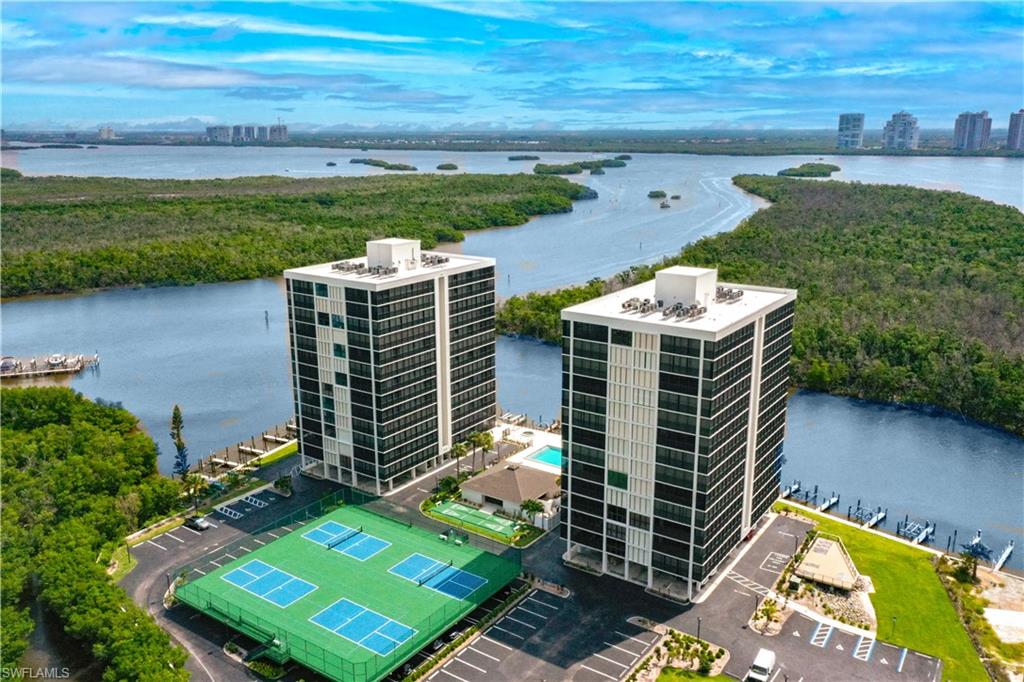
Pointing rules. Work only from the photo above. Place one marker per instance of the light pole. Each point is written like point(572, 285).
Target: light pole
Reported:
point(893, 633)
point(698, 628)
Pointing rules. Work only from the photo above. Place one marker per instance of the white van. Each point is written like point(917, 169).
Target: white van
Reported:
point(763, 667)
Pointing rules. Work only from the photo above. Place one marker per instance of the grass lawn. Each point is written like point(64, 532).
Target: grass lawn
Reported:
point(907, 588)
point(286, 450)
point(677, 675)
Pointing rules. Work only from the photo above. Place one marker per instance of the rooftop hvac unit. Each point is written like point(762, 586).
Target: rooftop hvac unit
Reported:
point(630, 305)
point(727, 295)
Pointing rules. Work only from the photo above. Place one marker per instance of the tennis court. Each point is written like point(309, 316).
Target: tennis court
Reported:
point(464, 515)
point(380, 592)
point(351, 541)
point(439, 576)
point(267, 582)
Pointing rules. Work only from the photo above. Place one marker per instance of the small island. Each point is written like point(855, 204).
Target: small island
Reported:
point(576, 167)
point(331, 163)
point(523, 157)
point(811, 170)
point(597, 171)
point(675, 196)
point(447, 166)
point(386, 165)
point(623, 157)
point(657, 194)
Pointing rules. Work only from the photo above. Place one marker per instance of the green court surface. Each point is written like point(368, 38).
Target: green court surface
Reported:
point(351, 594)
point(464, 515)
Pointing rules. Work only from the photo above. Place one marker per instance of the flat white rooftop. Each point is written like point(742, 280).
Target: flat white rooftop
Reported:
point(684, 286)
point(389, 262)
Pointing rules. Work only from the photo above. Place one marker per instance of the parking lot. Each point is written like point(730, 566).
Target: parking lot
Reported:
point(513, 646)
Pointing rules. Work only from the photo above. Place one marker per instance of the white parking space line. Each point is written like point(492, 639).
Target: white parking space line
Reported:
point(493, 658)
point(465, 662)
point(587, 667)
point(442, 670)
point(230, 555)
point(212, 524)
point(272, 534)
point(521, 622)
point(195, 532)
point(605, 658)
point(199, 571)
point(777, 671)
point(616, 646)
point(156, 545)
point(214, 563)
point(244, 549)
point(623, 634)
point(532, 613)
point(258, 542)
point(173, 537)
point(537, 601)
point(495, 627)
point(494, 641)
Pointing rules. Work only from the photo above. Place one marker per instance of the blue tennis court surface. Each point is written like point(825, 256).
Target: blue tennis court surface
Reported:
point(267, 582)
point(438, 576)
point(351, 541)
point(366, 628)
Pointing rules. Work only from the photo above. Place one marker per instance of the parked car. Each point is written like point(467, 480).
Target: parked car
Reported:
point(197, 523)
point(438, 644)
point(763, 666)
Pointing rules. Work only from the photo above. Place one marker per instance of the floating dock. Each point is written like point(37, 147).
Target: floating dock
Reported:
point(828, 502)
point(45, 365)
point(789, 490)
point(1004, 555)
point(915, 531)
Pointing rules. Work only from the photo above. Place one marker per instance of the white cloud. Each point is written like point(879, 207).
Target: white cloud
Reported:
point(505, 9)
point(259, 25)
point(19, 36)
point(348, 59)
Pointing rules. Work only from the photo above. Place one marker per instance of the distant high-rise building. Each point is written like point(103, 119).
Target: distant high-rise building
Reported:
point(851, 131)
point(219, 134)
point(901, 132)
point(106, 133)
point(972, 130)
point(237, 134)
point(673, 418)
point(262, 134)
point(279, 133)
point(1015, 137)
point(249, 133)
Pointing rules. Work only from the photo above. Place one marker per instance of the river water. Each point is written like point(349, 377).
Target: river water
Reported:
point(622, 227)
point(211, 349)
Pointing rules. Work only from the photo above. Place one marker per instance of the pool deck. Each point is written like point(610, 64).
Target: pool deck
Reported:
point(538, 441)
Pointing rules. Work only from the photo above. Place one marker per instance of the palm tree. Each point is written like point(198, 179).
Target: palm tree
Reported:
point(458, 452)
point(531, 508)
point(194, 485)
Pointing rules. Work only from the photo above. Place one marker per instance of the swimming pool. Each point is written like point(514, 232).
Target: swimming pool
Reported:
point(548, 455)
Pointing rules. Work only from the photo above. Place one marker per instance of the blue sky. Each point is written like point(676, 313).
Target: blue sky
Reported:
point(447, 64)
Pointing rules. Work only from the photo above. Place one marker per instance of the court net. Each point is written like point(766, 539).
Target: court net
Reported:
point(344, 536)
point(434, 572)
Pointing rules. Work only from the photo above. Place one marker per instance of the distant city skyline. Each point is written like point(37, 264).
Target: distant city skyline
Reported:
point(440, 65)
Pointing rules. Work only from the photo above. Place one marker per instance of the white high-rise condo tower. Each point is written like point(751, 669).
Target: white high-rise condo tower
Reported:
point(851, 131)
point(392, 359)
point(901, 132)
point(972, 130)
point(674, 412)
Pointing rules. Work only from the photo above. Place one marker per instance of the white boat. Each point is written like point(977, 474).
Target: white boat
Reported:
point(56, 360)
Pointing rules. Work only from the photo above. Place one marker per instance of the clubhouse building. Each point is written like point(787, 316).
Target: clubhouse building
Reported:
point(674, 413)
point(392, 360)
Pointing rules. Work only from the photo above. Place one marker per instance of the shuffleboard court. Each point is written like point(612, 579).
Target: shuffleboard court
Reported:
point(366, 628)
point(356, 621)
point(349, 541)
point(267, 582)
point(465, 515)
point(438, 576)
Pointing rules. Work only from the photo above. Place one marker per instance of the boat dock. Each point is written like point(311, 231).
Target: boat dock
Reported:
point(792, 489)
point(915, 531)
point(866, 516)
point(1004, 555)
point(45, 365)
point(828, 502)
point(247, 452)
